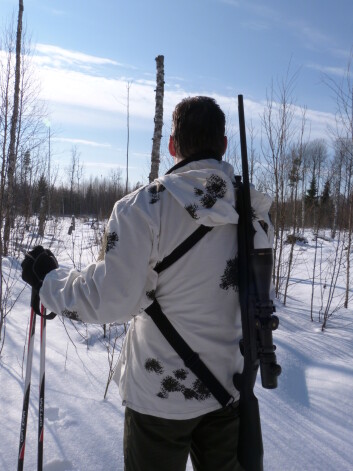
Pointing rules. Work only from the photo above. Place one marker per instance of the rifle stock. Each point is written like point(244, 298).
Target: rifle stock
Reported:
point(255, 268)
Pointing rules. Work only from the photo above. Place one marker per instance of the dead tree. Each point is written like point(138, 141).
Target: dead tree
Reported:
point(317, 151)
point(350, 227)
point(128, 86)
point(277, 123)
point(343, 94)
point(13, 131)
point(297, 159)
point(158, 120)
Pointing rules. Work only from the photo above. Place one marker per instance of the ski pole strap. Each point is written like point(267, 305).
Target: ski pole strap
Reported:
point(35, 301)
point(190, 358)
point(48, 317)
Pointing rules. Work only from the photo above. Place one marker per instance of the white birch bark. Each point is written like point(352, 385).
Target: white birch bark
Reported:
point(158, 120)
point(14, 120)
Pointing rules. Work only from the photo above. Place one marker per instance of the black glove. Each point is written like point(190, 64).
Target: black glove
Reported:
point(36, 264)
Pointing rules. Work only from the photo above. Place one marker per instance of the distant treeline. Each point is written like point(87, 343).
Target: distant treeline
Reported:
point(94, 197)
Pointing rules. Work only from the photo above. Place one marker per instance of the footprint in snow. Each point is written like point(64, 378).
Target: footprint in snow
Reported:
point(59, 465)
point(52, 413)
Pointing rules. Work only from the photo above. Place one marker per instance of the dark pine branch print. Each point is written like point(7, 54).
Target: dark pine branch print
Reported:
point(208, 201)
point(70, 315)
point(191, 209)
point(201, 390)
point(174, 384)
point(151, 294)
point(152, 365)
point(181, 374)
point(216, 186)
point(112, 239)
point(155, 190)
point(264, 226)
point(230, 277)
point(198, 192)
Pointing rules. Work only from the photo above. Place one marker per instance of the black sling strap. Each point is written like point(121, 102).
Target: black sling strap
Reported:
point(190, 358)
point(182, 248)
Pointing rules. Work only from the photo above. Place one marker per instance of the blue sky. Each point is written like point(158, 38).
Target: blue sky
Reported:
point(87, 51)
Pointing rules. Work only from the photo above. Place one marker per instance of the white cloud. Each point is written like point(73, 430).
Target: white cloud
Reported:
point(83, 142)
point(104, 165)
point(55, 54)
point(108, 165)
point(95, 100)
point(57, 12)
point(256, 25)
point(310, 35)
point(233, 3)
point(339, 71)
point(95, 92)
point(342, 53)
point(141, 154)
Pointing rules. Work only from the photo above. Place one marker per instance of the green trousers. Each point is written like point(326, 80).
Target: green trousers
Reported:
point(156, 444)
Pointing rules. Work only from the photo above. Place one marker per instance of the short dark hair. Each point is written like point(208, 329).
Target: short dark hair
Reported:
point(198, 127)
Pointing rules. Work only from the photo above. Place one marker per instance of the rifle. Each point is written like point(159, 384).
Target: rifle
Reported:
point(258, 321)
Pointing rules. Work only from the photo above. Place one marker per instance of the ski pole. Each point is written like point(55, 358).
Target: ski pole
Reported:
point(32, 328)
point(43, 329)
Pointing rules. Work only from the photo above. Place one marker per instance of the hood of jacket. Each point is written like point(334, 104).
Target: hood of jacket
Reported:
point(205, 188)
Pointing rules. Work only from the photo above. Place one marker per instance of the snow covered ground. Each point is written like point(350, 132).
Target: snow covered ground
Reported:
point(307, 422)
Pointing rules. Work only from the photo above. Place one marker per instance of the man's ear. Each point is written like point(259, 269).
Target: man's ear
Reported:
point(171, 146)
point(225, 144)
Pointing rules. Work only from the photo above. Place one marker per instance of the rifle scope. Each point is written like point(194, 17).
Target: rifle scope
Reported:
point(259, 279)
point(265, 321)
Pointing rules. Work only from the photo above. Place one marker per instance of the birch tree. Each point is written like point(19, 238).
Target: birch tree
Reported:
point(343, 94)
point(297, 152)
point(13, 130)
point(158, 120)
point(277, 124)
point(128, 86)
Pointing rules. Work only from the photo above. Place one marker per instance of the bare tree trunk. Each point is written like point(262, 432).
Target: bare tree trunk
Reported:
point(158, 120)
point(49, 173)
point(333, 278)
point(280, 240)
point(14, 120)
point(350, 197)
point(350, 224)
point(297, 161)
point(294, 198)
point(337, 263)
point(42, 216)
point(252, 153)
point(291, 252)
point(277, 122)
point(128, 137)
point(5, 105)
point(313, 283)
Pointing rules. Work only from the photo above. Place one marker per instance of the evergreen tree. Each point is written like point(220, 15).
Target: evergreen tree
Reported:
point(311, 197)
point(294, 176)
point(326, 193)
point(41, 191)
point(311, 202)
point(326, 205)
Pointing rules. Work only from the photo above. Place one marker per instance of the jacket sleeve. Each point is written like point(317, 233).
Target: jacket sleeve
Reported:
point(109, 290)
point(261, 204)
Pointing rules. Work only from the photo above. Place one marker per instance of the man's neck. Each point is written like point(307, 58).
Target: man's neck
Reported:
point(193, 158)
point(177, 159)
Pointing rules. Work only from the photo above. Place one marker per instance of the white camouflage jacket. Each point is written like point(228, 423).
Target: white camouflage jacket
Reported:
point(198, 293)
